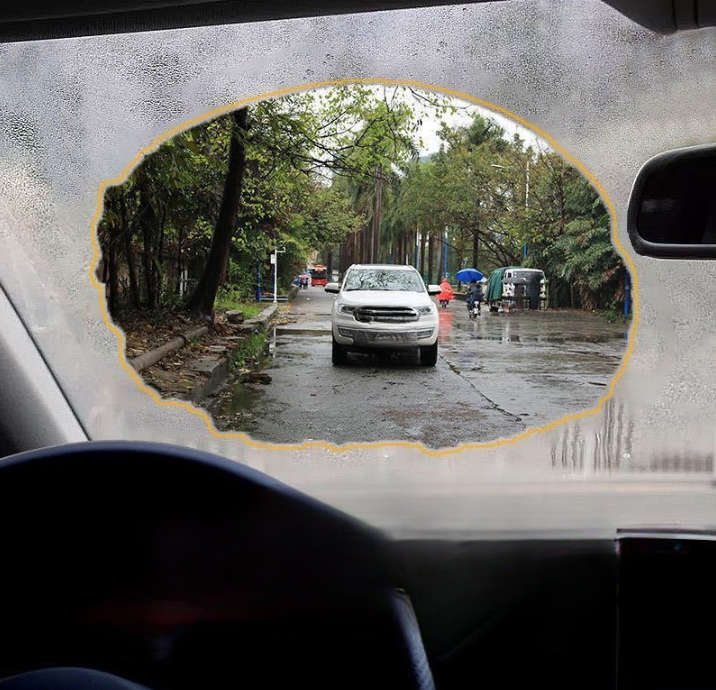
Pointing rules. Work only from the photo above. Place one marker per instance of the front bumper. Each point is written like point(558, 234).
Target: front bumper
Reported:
point(377, 336)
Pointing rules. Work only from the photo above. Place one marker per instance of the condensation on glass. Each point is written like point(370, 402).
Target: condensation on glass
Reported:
point(73, 113)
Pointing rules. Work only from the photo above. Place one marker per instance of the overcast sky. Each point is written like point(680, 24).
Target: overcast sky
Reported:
point(462, 116)
point(431, 125)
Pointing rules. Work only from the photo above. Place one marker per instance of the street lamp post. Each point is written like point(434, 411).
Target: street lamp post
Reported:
point(274, 261)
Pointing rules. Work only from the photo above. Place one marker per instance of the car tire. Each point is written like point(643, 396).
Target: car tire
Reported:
point(429, 355)
point(339, 353)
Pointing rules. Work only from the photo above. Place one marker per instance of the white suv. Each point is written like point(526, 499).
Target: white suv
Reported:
point(381, 306)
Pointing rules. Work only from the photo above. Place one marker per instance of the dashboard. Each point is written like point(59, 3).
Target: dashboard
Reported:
point(176, 569)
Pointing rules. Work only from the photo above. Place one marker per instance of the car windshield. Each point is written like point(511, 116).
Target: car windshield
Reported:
point(158, 210)
point(383, 279)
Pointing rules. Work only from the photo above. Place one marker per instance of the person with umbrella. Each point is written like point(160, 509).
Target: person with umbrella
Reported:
point(447, 293)
point(474, 297)
point(474, 290)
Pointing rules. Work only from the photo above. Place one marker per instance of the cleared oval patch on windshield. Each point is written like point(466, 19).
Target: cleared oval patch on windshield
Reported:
point(366, 263)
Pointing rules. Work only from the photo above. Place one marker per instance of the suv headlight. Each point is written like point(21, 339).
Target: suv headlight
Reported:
point(426, 310)
point(346, 308)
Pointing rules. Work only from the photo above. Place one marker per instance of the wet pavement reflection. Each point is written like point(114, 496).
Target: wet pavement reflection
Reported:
point(496, 376)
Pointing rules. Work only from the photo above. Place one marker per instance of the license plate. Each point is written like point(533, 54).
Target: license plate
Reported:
point(386, 337)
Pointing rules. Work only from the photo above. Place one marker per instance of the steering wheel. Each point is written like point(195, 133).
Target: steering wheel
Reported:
point(179, 569)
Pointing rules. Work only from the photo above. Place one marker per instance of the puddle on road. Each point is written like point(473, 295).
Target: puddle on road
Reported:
point(530, 329)
point(498, 335)
point(233, 406)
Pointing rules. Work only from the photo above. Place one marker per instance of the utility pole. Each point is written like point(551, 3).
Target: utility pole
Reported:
point(274, 261)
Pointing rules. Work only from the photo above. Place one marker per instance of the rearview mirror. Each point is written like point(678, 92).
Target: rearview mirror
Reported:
point(333, 287)
point(434, 289)
point(672, 209)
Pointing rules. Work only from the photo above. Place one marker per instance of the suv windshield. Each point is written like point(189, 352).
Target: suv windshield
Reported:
point(383, 279)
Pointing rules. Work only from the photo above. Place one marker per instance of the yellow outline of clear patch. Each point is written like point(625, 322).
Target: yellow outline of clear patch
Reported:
point(253, 443)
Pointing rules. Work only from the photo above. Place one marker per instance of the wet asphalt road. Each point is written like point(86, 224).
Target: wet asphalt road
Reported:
point(495, 377)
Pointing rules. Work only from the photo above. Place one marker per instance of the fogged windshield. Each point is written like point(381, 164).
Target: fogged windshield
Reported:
point(390, 281)
point(412, 176)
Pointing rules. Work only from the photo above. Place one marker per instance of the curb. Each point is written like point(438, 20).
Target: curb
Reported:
point(220, 371)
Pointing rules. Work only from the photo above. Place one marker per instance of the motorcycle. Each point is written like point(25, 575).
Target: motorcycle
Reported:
point(444, 303)
point(473, 309)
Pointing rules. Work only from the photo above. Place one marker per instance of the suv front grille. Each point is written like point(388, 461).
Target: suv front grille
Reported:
point(386, 314)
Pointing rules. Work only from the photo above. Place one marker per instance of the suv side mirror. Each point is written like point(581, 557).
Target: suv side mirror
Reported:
point(332, 287)
point(672, 209)
point(434, 289)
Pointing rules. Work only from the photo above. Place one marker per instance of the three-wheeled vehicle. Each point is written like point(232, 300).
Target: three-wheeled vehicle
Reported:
point(516, 288)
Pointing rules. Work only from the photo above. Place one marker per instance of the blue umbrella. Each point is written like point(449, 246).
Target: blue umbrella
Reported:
point(467, 275)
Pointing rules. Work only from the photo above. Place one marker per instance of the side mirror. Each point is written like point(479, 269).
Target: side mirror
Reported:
point(672, 209)
point(333, 287)
point(434, 289)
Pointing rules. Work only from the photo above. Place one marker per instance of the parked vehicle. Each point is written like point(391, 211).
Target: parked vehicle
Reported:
point(384, 307)
point(514, 287)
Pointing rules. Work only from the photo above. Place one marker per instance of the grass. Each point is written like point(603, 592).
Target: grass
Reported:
point(612, 316)
point(253, 346)
point(227, 303)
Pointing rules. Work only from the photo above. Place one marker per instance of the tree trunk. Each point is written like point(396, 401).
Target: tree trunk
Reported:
point(377, 213)
point(423, 238)
point(132, 270)
point(180, 242)
point(431, 256)
point(159, 268)
point(112, 270)
point(147, 260)
point(441, 267)
point(147, 218)
point(129, 253)
point(202, 300)
point(475, 246)
point(329, 263)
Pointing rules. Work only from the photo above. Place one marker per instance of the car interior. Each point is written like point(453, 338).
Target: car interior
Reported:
point(151, 561)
